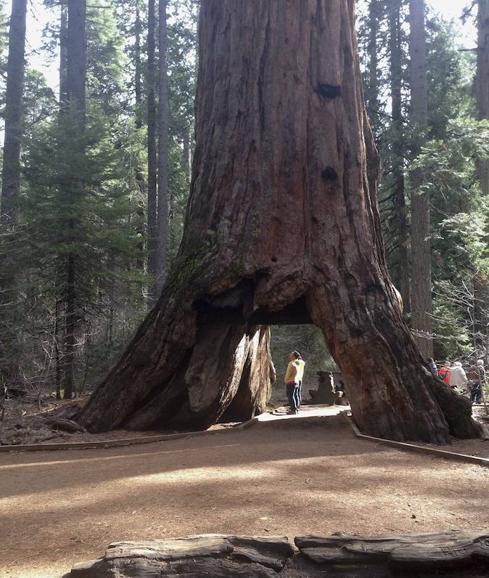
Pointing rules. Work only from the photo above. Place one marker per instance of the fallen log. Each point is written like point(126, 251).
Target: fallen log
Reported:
point(65, 424)
point(447, 554)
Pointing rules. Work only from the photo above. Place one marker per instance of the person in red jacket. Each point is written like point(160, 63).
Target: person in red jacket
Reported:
point(444, 372)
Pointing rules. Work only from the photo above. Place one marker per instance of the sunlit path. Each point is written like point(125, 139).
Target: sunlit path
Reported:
point(287, 476)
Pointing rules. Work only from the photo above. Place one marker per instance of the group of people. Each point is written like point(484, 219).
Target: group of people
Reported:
point(470, 382)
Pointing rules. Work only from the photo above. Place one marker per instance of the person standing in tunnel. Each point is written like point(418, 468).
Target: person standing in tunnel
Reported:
point(293, 381)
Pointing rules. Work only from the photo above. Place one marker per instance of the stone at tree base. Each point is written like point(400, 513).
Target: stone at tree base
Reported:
point(325, 393)
point(449, 554)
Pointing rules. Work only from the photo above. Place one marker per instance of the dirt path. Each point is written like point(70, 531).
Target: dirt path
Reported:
point(288, 477)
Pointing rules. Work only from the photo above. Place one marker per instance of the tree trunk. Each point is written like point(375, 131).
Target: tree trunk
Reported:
point(57, 353)
point(152, 235)
point(63, 55)
point(10, 348)
point(282, 225)
point(258, 375)
point(139, 121)
point(372, 97)
point(482, 81)
point(13, 112)
point(398, 152)
point(421, 297)
point(63, 104)
point(163, 200)
point(75, 90)
point(138, 85)
point(70, 298)
point(77, 59)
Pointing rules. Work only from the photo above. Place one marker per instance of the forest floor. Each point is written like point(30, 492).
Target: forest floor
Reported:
point(283, 477)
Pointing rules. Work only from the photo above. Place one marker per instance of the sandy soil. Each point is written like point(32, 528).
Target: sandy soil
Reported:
point(286, 477)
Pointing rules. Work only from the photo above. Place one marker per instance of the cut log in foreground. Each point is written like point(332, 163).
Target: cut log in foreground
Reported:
point(423, 556)
point(282, 227)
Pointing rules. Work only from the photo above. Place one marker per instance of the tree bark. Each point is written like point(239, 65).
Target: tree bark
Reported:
point(57, 353)
point(282, 224)
point(13, 113)
point(11, 182)
point(163, 143)
point(482, 81)
point(77, 58)
point(76, 99)
point(372, 97)
point(421, 284)
point(138, 85)
point(63, 55)
point(398, 152)
point(139, 121)
point(152, 235)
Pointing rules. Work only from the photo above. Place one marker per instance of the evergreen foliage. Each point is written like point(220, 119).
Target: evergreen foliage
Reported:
point(84, 194)
point(455, 143)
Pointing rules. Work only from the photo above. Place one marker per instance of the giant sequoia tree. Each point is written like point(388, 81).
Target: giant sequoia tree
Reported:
point(282, 225)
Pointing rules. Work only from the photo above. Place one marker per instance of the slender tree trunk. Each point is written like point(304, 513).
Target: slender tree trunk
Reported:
point(398, 152)
point(11, 179)
point(282, 224)
point(75, 88)
point(57, 352)
point(77, 59)
point(139, 121)
point(421, 290)
point(138, 85)
point(13, 113)
point(372, 97)
point(187, 152)
point(70, 298)
point(63, 55)
point(163, 143)
point(152, 156)
point(482, 81)
point(60, 343)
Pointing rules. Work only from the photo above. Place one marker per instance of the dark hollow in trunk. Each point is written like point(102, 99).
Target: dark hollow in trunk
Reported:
point(282, 222)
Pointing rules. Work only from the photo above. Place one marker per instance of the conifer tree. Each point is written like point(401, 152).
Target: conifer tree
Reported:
point(421, 281)
point(10, 190)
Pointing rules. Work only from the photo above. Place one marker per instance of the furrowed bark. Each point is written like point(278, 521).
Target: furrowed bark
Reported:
point(421, 283)
point(152, 217)
point(163, 148)
point(282, 226)
point(76, 70)
point(398, 153)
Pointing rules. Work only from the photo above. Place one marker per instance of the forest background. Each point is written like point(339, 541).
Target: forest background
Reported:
point(98, 215)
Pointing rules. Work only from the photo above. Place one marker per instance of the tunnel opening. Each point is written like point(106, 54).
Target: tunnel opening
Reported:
point(291, 329)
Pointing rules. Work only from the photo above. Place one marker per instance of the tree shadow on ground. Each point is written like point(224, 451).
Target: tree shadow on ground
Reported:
point(286, 479)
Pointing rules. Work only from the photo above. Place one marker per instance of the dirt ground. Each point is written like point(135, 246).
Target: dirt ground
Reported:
point(289, 477)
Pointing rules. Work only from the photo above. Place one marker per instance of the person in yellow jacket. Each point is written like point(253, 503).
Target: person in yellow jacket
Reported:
point(293, 381)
